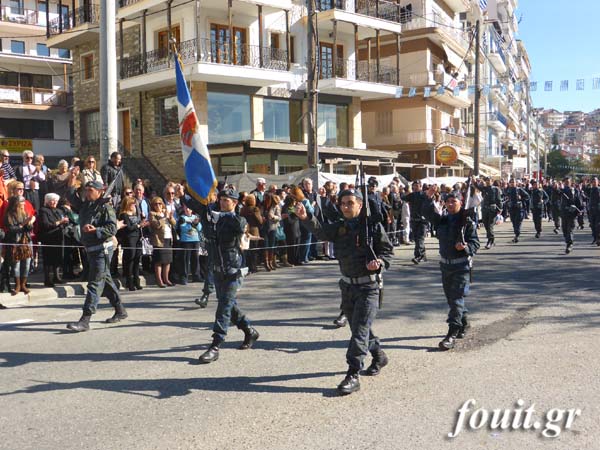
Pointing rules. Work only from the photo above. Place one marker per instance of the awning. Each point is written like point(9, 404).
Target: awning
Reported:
point(483, 168)
point(453, 58)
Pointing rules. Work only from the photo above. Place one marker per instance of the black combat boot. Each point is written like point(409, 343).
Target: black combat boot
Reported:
point(250, 337)
point(465, 326)
point(120, 314)
point(380, 360)
point(448, 342)
point(569, 248)
point(341, 320)
point(48, 276)
point(129, 284)
point(82, 325)
point(210, 355)
point(202, 302)
point(350, 384)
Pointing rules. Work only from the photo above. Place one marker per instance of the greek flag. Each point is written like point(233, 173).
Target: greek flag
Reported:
point(199, 173)
point(483, 4)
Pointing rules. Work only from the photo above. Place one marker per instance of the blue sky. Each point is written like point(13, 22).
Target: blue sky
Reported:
point(562, 41)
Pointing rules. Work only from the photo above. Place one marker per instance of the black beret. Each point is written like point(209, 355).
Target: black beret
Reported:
point(354, 192)
point(94, 184)
point(229, 193)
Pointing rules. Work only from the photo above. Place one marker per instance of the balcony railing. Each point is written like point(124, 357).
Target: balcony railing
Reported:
point(33, 96)
point(205, 50)
point(435, 20)
point(124, 3)
point(381, 9)
point(84, 14)
point(24, 16)
point(433, 137)
point(366, 71)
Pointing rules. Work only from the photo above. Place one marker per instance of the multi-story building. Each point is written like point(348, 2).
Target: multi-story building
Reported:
point(245, 62)
point(35, 111)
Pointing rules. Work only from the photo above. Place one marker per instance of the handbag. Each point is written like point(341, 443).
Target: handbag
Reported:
point(280, 234)
point(146, 246)
point(245, 241)
point(23, 250)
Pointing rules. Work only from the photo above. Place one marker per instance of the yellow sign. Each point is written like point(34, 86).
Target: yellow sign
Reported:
point(446, 155)
point(16, 146)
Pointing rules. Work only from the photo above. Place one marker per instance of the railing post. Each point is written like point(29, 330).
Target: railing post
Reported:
point(288, 40)
point(169, 34)
point(368, 59)
point(356, 52)
point(47, 18)
point(377, 8)
point(260, 37)
point(378, 43)
point(144, 55)
point(73, 12)
point(398, 59)
point(121, 49)
point(60, 17)
point(230, 24)
point(334, 52)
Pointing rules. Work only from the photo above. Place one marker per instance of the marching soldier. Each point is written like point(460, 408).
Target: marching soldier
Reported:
point(227, 265)
point(555, 201)
point(360, 265)
point(458, 240)
point(570, 208)
point(98, 223)
point(490, 206)
point(539, 198)
point(594, 209)
point(517, 197)
point(418, 223)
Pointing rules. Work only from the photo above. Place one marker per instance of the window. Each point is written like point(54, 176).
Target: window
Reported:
point(9, 79)
point(228, 117)
point(291, 50)
point(89, 123)
point(163, 39)
point(219, 43)
point(42, 81)
point(326, 61)
point(332, 125)
point(166, 120)
point(87, 67)
point(16, 7)
point(27, 128)
point(281, 120)
point(384, 121)
point(275, 40)
point(43, 50)
point(17, 47)
point(64, 53)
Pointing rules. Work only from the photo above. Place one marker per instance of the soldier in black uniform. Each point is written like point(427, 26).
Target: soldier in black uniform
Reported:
point(98, 223)
point(361, 267)
point(517, 197)
point(418, 223)
point(227, 266)
point(458, 243)
point(594, 209)
point(490, 206)
point(555, 201)
point(570, 208)
point(207, 219)
point(539, 198)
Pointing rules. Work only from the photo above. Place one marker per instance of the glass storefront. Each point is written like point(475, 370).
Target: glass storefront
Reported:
point(291, 163)
point(332, 125)
point(229, 118)
point(282, 120)
point(259, 163)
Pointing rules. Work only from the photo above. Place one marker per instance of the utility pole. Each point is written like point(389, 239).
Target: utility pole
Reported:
point(528, 134)
point(311, 87)
point(108, 81)
point(477, 100)
point(537, 148)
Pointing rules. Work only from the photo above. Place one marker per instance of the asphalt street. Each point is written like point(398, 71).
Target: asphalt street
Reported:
point(136, 384)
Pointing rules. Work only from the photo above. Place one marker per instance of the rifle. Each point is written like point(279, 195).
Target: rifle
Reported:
point(365, 215)
point(113, 183)
point(465, 212)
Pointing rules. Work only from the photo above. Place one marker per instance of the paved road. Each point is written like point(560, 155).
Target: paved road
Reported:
point(135, 385)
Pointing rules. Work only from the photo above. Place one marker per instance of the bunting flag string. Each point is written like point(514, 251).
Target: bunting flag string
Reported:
point(503, 88)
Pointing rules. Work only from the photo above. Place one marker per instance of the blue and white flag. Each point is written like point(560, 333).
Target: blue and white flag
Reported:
point(200, 176)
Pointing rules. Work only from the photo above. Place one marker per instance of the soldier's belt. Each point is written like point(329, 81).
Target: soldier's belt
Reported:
point(360, 280)
point(464, 259)
point(103, 246)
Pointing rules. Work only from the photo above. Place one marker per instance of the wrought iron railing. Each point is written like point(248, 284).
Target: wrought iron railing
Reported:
point(382, 9)
point(123, 3)
point(89, 13)
point(32, 96)
point(205, 50)
point(367, 71)
point(24, 16)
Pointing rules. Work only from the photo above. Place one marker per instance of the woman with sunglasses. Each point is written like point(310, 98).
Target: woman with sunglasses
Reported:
point(161, 237)
point(89, 172)
point(18, 225)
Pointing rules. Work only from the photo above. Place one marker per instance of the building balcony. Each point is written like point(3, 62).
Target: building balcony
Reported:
point(207, 60)
point(80, 27)
point(498, 60)
point(32, 98)
point(497, 121)
point(358, 79)
point(439, 28)
point(383, 15)
point(459, 5)
point(21, 19)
